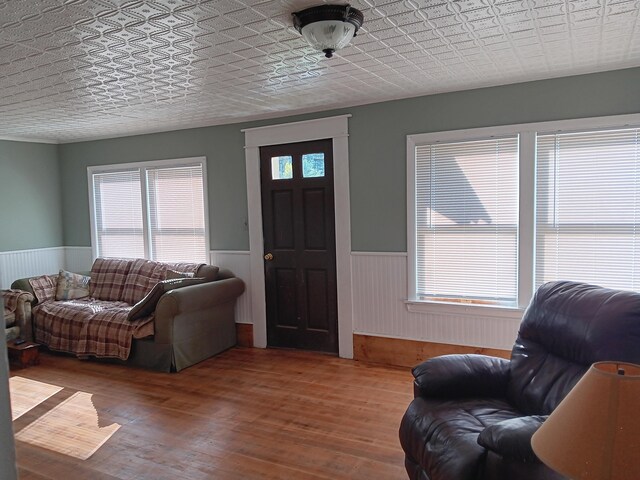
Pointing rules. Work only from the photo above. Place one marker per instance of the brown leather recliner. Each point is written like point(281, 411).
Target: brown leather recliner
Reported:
point(473, 416)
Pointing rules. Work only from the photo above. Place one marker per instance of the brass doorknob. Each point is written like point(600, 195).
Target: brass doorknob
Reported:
point(268, 256)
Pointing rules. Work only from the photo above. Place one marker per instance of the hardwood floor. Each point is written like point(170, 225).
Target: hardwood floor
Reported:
point(245, 414)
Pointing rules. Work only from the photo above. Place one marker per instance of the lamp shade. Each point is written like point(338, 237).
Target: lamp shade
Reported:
point(328, 27)
point(595, 431)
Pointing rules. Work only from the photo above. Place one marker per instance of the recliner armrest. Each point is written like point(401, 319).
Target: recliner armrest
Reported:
point(511, 438)
point(459, 376)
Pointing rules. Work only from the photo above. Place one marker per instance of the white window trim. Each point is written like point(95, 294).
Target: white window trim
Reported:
point(526, 230)
point(142, 166)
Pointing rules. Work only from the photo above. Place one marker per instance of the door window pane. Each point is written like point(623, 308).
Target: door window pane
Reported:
point(313, 165)
point(281, 167)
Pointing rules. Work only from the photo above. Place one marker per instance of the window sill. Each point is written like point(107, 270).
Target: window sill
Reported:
point(417, 306)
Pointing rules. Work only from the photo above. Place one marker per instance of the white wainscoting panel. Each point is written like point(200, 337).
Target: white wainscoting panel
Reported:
point(239, 263)
point(379, 296)
point(29, 263)
point(78, 259)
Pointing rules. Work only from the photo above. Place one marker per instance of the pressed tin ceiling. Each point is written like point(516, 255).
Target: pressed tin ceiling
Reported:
point(82, 69)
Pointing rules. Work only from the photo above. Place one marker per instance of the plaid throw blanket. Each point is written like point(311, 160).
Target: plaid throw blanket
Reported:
point(144, 274)
point(89, 327)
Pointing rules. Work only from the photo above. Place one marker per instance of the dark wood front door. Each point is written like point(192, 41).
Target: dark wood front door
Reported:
point(299, 245)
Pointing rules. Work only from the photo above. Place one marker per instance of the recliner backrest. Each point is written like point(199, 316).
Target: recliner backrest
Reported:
point(567, 327)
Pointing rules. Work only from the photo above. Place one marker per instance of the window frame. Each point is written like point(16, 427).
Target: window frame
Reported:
point(143, 167)
point(527, 199)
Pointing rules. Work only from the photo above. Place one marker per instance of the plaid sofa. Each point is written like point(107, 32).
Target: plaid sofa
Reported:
point(188, 324)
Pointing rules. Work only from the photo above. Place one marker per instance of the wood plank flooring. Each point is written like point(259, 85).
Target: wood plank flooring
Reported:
point(245, 414)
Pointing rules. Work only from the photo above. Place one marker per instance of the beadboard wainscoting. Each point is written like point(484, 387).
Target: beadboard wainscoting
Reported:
point(379, 309)
point(42, 261)
point(28, 263)
point(239, 263)
point(379, 296)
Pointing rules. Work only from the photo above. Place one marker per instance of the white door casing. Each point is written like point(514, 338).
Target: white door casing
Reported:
point(337, 129)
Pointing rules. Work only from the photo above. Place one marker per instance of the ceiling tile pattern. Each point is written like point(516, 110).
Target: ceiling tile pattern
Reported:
point(81, 69)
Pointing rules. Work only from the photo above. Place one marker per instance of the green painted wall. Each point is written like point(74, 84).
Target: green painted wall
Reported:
point(30, 216)
point(377, 151)
point(223, 147)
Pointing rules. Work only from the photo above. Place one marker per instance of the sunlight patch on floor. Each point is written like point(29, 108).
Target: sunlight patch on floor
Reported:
point(27, 394)
point(71, 428)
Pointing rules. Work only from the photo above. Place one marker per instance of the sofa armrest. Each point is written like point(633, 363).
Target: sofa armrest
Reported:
point(24, 285)
point(184, 301)
point(459, 376)
point(19, 301)
point(511, 439)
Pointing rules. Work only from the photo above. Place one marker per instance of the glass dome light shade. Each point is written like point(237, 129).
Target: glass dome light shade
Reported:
point(328, 34)
point(328, 27)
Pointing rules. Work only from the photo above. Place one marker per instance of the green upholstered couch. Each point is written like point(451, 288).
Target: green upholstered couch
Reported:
point(191, 323)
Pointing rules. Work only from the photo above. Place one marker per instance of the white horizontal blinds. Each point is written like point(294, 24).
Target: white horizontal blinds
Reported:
point(118, 213)
point(176, 213)
point(467, 221)
point(588, 208)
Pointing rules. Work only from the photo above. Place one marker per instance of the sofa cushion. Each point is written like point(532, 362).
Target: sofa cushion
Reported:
point(107, 278)
point(89, 327)
point(142, 276)
point(72, 286)
point(171, 274)
point(44, 287)
point(147, 305)
point(442, 435)
point(208, 272)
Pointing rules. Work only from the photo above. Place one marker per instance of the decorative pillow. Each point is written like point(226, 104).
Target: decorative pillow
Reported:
point(44, 287)
point(183, 267)
point(72, 286)
point(147, 305)
point(171, 274)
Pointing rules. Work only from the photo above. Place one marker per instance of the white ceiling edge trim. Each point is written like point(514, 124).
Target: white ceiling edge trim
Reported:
point(29, 140)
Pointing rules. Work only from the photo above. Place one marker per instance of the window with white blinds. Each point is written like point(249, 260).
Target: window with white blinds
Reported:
point(466, 209)
point(176, 213)
point(588, 208)
point(153, 210)
point(117, 202)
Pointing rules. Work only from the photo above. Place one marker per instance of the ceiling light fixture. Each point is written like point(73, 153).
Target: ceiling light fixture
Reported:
point(328, 27)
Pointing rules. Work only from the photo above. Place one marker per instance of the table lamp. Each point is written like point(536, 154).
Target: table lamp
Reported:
point(594, 434)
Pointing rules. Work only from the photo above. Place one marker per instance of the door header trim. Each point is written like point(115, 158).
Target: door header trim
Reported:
point(316, 129)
